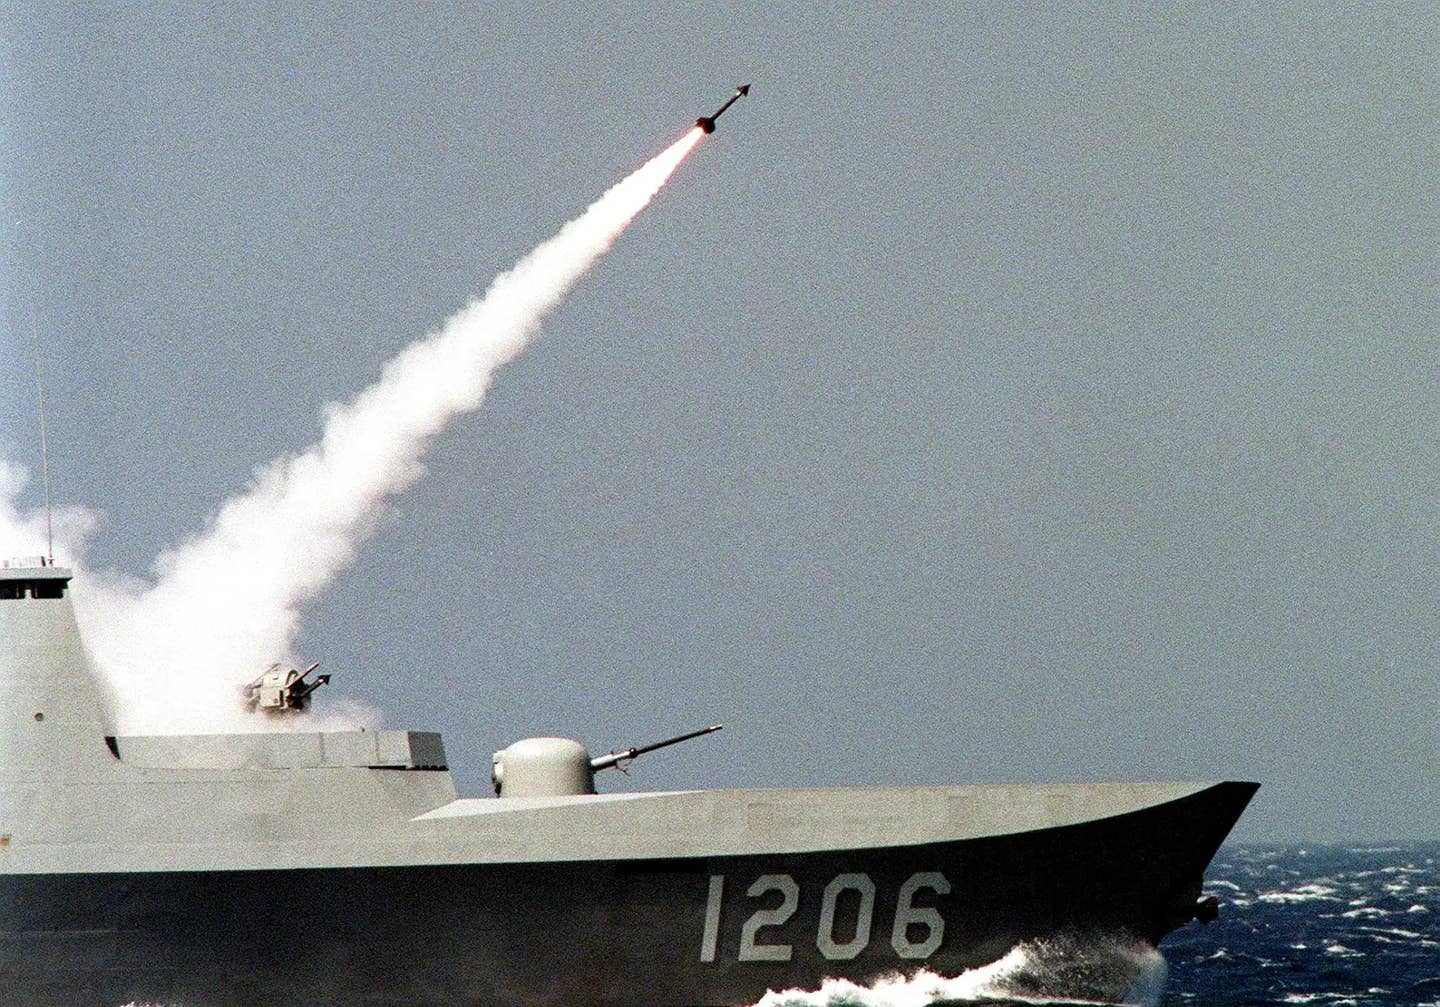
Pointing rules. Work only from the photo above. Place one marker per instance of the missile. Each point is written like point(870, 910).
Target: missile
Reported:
point(707, 122)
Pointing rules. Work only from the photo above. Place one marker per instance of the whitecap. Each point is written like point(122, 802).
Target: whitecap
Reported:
point(1312, 892)
point(1366, 913)
point(1393, 931)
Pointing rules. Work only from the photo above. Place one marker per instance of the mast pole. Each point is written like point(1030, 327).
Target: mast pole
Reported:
point(44, 440)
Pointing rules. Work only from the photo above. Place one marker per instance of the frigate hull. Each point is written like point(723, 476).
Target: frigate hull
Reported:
point(671, 931)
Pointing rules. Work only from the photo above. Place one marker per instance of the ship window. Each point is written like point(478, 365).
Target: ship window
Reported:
point(10, 590)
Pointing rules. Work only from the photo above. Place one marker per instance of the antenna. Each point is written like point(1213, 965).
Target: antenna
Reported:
point(44, 440)
point(40, 396)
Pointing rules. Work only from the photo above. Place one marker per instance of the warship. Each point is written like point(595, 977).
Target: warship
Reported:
point(289, 867)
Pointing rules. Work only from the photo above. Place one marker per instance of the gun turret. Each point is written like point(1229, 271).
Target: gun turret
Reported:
point(622, 759)
point(561, 767)
point(279, 691)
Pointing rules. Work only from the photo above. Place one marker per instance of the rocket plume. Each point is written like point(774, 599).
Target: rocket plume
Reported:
point(229, 601)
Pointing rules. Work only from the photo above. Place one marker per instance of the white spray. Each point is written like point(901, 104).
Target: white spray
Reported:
point(1064, 969)
point(229, 601)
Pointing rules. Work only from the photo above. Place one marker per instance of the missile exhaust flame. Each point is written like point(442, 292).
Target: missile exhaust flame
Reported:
point(230, 600)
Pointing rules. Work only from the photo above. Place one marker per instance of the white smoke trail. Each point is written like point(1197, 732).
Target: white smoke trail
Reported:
point(230, 600)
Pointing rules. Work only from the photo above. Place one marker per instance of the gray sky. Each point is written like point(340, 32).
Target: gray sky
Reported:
point(998, 395)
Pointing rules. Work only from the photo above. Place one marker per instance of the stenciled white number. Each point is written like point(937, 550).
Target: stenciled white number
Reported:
point(789, 902)
point(825, 939)
point(712, 918)
point(908, 915)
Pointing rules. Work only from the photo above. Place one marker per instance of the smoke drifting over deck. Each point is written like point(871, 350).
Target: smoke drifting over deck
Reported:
point(227, 602)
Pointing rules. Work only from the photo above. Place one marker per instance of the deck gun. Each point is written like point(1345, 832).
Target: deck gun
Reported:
point(279, 691)
point(621, 760)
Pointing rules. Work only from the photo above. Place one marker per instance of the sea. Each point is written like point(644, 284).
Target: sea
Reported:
point(1329, 926)
point(1321, 925)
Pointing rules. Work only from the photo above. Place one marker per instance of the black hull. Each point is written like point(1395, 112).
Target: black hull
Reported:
point(608, 934)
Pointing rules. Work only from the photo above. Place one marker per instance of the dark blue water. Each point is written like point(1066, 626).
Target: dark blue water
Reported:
point(1324, 926)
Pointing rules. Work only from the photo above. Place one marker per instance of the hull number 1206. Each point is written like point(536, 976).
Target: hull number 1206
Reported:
point(916, 934)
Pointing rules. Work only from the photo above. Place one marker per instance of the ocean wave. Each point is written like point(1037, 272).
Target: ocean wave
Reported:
point(1392, 932)
point(1312, 892)
point(1365, 913)
point(1341, 951)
